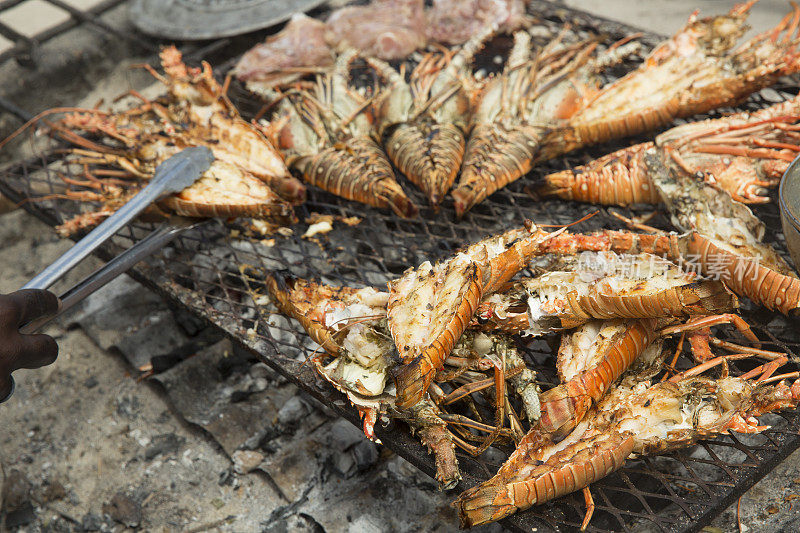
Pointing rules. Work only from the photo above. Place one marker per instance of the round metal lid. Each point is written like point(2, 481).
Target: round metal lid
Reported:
point(789, 193)
point(210, 19)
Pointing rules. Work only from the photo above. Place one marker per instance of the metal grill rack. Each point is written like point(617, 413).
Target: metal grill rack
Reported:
point(65, 15)
point(214, 272)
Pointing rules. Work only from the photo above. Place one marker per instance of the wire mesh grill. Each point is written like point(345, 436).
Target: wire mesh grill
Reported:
point(214, 271)
point(47, 19)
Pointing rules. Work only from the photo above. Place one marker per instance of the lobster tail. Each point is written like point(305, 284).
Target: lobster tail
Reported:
point(521, 483)
point(227, 191)
point(440, 302)
point(484, 503)
point(495, 156)
point(698, 298)
point(279, 212)
point(747, 276)
point(619, 178)
point(358, 171)
point(414, 378)
point(429, 156)
point(566, 405)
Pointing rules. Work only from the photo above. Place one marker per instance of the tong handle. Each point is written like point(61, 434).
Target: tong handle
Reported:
point(159, 238)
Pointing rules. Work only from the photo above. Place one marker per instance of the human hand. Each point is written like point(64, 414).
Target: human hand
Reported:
point(18, 350)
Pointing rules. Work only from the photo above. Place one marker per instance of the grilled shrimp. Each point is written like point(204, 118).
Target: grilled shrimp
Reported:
point(431, 306)
point(743, 154)
point(635, 418)
point(423, 122)
point(515, 111)
point(327, 137)
point(697, 70)
point(602, 285)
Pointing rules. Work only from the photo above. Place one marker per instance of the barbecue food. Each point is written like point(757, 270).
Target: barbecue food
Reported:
point(423, 122)
point(431, 306)
point(298, 49)
point(515, 111)
point(327, 137)
point(457, 21)
point(248, 177)
point(697, 70)
point(386, 29)
point(765, 279)
point(596, 285)
point(636, 417)
point(358, 356)
point(743, 154)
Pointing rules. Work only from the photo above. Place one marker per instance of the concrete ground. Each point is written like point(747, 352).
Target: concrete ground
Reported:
point(85, 446)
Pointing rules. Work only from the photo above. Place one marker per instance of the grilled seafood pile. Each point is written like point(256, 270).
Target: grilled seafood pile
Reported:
point(437, 348)
point(702, 173)
point(697, 70)
point(443, 128)
point(423, 121)
point(743, 154)
point(637, 417)
point(248, 177)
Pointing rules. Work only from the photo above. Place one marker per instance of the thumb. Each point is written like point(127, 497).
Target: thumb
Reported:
point(6, 387)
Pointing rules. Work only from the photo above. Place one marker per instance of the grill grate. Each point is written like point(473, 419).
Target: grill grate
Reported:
point(20, 44)
point(213, 271)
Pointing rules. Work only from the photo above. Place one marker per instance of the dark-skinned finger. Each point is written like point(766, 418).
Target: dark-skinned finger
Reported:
point(34, 351)
point(5, 386)
point(31, 304)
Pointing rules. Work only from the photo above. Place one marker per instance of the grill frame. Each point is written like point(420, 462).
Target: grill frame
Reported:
point(504, 209)
point(24, 46)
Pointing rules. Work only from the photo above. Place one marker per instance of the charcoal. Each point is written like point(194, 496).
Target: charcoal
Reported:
point(292, 411)
point(167, 444)
point(124, 510)
point(365, 455)
point(343, 435)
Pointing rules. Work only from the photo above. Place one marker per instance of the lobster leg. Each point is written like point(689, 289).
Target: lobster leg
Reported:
point(766, 370)
point(587, 495)
point(733, 347)
point(706, 365)
point(713, 320)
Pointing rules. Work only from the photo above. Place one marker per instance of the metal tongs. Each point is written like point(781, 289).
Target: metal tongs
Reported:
point(172, 176)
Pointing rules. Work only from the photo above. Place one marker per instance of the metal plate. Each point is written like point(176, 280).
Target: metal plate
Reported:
point(211, 19)
point(789, 202)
